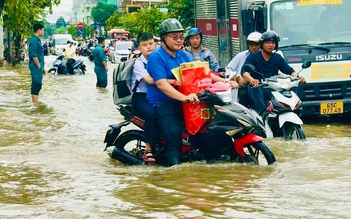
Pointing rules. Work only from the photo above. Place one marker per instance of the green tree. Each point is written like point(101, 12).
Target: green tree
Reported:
point(183, 10)
point(113, 21)
point(60, 22)
point(19, 17)
point(102, 12)
point(61, 30)
point(143, 20)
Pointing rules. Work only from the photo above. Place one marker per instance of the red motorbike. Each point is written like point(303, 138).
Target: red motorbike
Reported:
point(230, 133)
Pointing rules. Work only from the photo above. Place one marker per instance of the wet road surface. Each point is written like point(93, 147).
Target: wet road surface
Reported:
point(52, 164)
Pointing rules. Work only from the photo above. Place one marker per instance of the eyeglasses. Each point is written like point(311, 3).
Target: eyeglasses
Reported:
point(176, 38)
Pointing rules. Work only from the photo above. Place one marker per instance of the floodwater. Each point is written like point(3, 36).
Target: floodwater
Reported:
point(52, 165)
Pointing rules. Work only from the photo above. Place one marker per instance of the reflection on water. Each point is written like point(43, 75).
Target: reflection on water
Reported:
point(52, 165)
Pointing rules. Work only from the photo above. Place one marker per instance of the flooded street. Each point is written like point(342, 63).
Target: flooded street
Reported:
point(52, 164)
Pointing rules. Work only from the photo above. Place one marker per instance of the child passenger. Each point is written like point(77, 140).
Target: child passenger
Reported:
point(141, 107)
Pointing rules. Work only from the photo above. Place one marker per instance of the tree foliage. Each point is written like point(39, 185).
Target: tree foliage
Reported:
point(21, 15)
point(143, 20)
point(183, 10)
point(60, 22)
point(102, 12)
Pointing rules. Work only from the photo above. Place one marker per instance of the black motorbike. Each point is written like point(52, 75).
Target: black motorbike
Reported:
point(228, 134)
point(59, 67)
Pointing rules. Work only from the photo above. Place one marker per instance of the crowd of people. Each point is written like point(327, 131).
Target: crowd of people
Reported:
point(156, 98)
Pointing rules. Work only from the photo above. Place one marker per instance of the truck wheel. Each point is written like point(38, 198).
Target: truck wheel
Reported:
point(293, 132)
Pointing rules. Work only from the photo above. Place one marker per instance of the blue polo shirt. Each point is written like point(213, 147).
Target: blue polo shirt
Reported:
point(159, 65)
point(35, 50)
point(99, 55)
point(267, 68)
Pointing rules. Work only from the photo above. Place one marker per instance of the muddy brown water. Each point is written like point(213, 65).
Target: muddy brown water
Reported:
point(52, 165)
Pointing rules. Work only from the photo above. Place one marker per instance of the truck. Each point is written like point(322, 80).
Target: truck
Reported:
point(59, 43)
point(316, 30)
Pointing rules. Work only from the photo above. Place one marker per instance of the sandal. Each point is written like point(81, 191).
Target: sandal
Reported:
point(148, 156)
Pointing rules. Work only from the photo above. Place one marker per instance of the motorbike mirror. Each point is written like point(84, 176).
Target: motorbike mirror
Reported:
point(306, 64)
point(249, 68)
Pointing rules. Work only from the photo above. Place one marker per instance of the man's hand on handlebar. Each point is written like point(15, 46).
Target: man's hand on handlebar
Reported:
point(191, 98)
point(302, 80)
point(254, 82)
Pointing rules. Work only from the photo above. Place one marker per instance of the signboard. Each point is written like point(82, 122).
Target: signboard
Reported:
point(80, 31)
point(318, 2)
point(80, 25)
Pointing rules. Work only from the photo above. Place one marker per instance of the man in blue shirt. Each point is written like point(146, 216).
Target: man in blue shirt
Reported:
point(164, 97)
point(267, 62)
point(36, 61)
point(198, 52)
point(233, 69)
point(100, 62)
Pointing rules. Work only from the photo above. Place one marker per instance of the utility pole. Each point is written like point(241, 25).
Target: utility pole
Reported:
point(2, 3)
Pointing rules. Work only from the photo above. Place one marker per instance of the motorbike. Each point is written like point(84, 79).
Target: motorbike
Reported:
point(229, 133)
point(59, 66)
point(281, 117)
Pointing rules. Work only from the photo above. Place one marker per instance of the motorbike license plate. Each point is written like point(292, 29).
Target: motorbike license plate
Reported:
point(331, 108)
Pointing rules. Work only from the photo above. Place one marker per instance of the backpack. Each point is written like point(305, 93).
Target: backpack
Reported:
point(122, 76)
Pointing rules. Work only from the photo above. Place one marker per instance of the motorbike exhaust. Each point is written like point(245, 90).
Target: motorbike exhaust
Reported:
point(125, 157)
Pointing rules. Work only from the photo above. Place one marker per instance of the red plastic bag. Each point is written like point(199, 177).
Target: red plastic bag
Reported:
point(195, 115)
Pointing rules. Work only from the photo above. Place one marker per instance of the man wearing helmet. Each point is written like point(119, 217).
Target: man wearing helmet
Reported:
point(233, 69)
point(198, 53)
point(267, 62)
point(165, 98)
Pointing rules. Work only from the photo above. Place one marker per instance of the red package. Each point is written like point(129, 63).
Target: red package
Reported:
point(195, 115)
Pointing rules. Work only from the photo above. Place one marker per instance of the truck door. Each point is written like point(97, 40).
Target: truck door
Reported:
point(223, 32)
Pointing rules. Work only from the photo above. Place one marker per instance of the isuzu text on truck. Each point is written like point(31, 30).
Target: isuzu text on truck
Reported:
point(316, 30)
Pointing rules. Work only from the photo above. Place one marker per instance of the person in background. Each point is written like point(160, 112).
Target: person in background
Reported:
point(267, 62)
point(233, 69)
point(140, 79)
point(100, 62)
point(36, 61)
point(70, 54)
point(198, 53)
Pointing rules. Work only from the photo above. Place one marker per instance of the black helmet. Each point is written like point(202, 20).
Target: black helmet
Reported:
point(270, 36)
point(170, 25)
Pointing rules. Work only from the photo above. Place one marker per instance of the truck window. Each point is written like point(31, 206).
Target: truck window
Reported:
point(301, 24)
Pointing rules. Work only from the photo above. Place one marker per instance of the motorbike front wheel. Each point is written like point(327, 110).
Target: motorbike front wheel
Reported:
point(293, 132)
point(254, 150)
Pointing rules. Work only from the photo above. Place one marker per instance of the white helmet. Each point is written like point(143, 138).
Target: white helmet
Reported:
point(254, 37)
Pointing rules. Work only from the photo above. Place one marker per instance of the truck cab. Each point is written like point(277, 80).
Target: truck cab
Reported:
point(308, 30)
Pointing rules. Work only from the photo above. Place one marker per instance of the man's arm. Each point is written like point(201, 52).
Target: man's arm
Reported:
point(250, 60)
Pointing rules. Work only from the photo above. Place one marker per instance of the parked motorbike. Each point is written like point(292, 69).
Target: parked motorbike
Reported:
point(59, 66)
point(281, 117)
point(228, 132)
